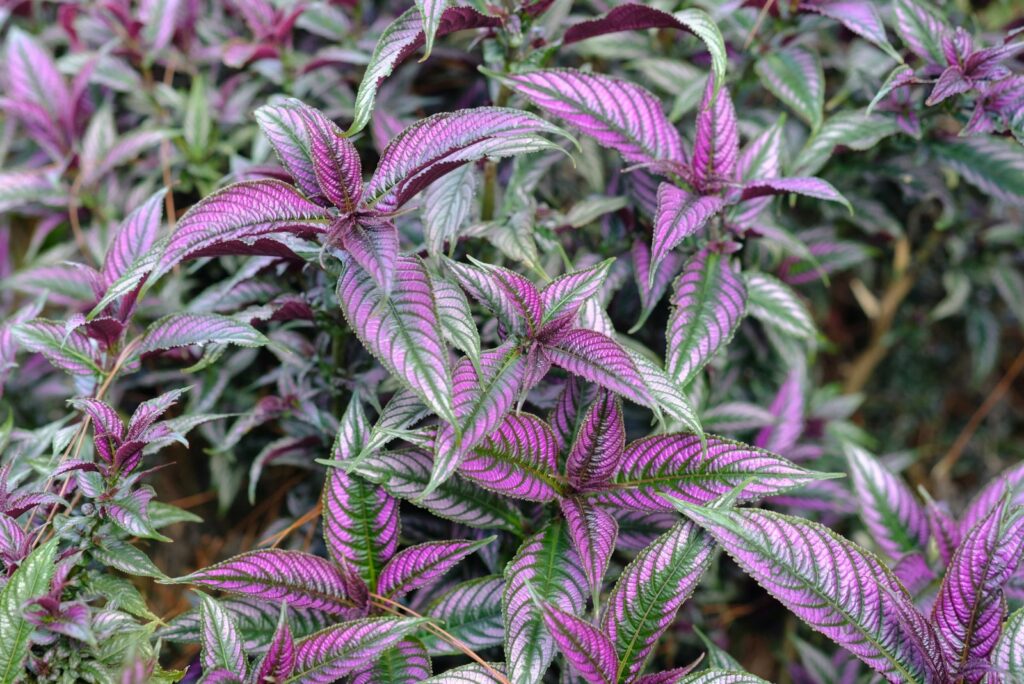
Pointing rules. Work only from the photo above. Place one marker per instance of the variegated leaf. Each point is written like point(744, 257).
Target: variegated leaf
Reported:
point(221, 641)
point(471, 612)
point(776, 304)
point(600, 359)
point(407, 662)
point(593, 531)
point(329, 655)
point(597, 448)
point(893, 515)
point(794, 75)
point(418, 565)
point(716, 146)
point(680, 214)
point(186, 329)
point(518, 459)
point(589, 652)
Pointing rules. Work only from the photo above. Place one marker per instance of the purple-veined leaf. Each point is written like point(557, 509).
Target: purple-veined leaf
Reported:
point(23, 188)
point(570, 409)
point(809, 187)
point(34, 81)
point(301, 579)
point(709, 301)
point(787, 410)
point(447, 204)
point(714, 676)
point(679, 465)
point(456, 317)
point(30, 581)
point(716, 145)
point(635, 16)
point(650, 590)
point(186, 329)
point(891, 512)
point(220, 676)
point(130, 512)
point(71, 352)
point(221, 643)
point(402, 330)
point(970, 607)
point(238, 212)
point(336, 164)
point(471, 612)
point(402, 411)
point(833, 585)
point(597, 448)
point(474, 673)
point(593, 531)
point(277, 663)
point(618, 114)
point(921, 29)
point(127, 148)
point(284, 125)
point(105, 419)
point(563, 296)
point(517, 459)
point(257, 622)
point(991, 495)
point(418, 565)
point(405, 475)
point(481, 403)
point(329, 655)
point(589, 652)
point(398, 41)
point(993, 165)
point(776, 304)
point(600, 359)
point(135, 236)
point(794, 75)
point(159, 22)
point(762, 156)
point(373, 243)
point(859, 16)
point(361, 523)
point(1008, 655)
point(407, 662)
point(667, 394)
point(432, 147)
point(679, 215)
point(512, 298)
point(652, 282)
point(547, 565)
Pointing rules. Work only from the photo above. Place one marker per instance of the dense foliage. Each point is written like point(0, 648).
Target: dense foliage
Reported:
point(389, 364)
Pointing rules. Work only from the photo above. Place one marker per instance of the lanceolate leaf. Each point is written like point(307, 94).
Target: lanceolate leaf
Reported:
point(1008, 654)
point(921, 29)
point(598, 446)
point(447, 204)
point(593, 531)
point(716, 146)
point(970, 607)
point(471, 612)
point(432, 147)
point(278, 661)
point(600, 359)
point(518, 459)
point(993, 165)
point(418, 565)
point(775, 304)
point(360, 521)
point(221, 642)
point(680, 214)
point(72, 353)
point(336, 163)
point(616, 113)
point(258, 622)
point(186, 329)
point(30, 581)
point(135, 236)
point(836, 587)
point(650, 590)
point(329, 655)
point(893, 515)
point(547, 565)
point(284, 126)
point(402, 330)
point(715, 676)
point(709, 301)
point(512, 298)
point(859, 16)
point(681, 466)
point(301, 579)
point(406, 474)
point(667, 394)
point(456, 318)
point(588, 651)
point(810, 187)
point(398, 41)
point(794, 75)
point(563, 296)
point(407, 662)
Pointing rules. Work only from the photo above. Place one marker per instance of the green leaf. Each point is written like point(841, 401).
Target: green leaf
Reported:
point(856, 130)
point(775, 304)
point(30, 581)
point(795, 76)
point(705, 28)
point(126, 558)
point(993, 165)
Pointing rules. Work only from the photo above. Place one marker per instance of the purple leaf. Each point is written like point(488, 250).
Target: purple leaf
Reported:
point(859, 16)
point(598, 445)
point(471, 612)
point(680, 214)
point(105, 419)
point(398, 41)
point(943, 529)
point(407, 662)
point(474, 673)
point(186, 329)
point(563, 296)
point(570, 410)
point(480, 402)
point(329, 655)
point(787, 410)
point(709, 301)
point(652, 282)
point(401, 330)
point(547, 565)
point(512, 298)
point(587, 650)
point(894, 518)
point(135, 236)
point(301, 579)
point(518, 459)
point(921, 29)
point(221, 643)
point(422, 564)
point(257, 621)
point(970, 607)
point(33, 80)
point(278, 661)
point(833, 585)
point(810, 187)
point(336, 164)
point(242, 211)
point(284, 125)
point(432, 147)
point(71, 352)
point(593, 531)
point(360, 522)
point(712, 676)
point(717, 142)
point(679, 465)
point(650, 590)
point(794, 75)
point(618, 114)
point(991, 496)
point(600, 359)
